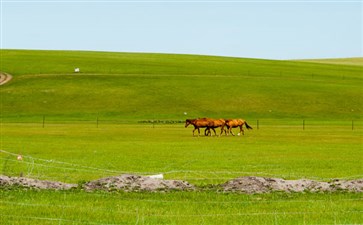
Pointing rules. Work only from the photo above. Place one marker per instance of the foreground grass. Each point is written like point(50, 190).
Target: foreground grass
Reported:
point(78, 207)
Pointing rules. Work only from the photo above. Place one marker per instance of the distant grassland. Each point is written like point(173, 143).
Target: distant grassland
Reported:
point(160, 86)
point(342, 61)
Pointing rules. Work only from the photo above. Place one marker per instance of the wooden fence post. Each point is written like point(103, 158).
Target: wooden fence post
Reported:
point(352, 124)
point(303, 124)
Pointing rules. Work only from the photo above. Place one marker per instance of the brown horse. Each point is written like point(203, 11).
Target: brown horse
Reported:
point(216, 123)
point(200, 123)
point(232, 123)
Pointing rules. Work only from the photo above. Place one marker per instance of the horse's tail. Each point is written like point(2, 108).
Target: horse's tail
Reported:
point(248, 126)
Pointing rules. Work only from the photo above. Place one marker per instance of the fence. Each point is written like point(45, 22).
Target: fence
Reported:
point(302, 124)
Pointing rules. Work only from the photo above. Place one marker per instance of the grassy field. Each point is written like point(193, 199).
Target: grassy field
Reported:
point(76, 152)
point(155, 86)
point(309, 117)
point(76, 207)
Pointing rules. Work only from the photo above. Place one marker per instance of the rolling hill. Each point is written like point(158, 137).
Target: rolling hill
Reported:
point(357, 61)
point(136, 86)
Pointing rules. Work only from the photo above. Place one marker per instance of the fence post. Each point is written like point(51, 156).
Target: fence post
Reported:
point(352, 124)
point(303, 124)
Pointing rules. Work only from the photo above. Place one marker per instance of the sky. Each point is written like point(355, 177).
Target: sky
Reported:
point(284, 29)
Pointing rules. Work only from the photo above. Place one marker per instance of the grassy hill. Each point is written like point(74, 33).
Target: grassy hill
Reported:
point(134, 86)
point(342, 61)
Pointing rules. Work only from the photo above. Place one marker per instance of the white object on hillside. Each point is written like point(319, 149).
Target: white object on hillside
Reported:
point(19, 157)
point(157, 176)
point(76, 70)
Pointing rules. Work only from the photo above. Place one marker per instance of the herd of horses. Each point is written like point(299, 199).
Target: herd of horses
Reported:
point(226, 125)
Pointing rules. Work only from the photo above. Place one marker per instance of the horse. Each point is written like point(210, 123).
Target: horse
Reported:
point(216, 123)
point(232, 123)
point(200, 123)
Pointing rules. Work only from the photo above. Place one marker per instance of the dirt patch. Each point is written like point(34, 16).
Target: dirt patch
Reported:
point(123, 182)
point(134, 183)
point(137, 183)
point(4, 78)
point(33, 183)
point(252, 185)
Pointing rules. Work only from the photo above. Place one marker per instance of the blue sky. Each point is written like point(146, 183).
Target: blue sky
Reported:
point(253, 29)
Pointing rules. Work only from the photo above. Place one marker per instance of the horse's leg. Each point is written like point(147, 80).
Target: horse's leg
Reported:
point(222, 129)
point(241, 130)
point(206, 131)
point(226, 130)
point(230, 130)
point(215, 134)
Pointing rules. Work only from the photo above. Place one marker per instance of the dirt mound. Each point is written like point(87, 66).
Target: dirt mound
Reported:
point(252, 185)
point(33, 183)
point(123, 182)
point(137, 183)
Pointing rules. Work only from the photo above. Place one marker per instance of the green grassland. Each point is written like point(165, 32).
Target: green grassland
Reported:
point(92, 129)
point(155, 86)
point(85, 152)
point(342, 61)
point(78, 207)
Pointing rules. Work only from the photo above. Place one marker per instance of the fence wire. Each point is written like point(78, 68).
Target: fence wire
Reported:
point(32, 162)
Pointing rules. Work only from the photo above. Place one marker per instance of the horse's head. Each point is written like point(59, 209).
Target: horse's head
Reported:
point(188, 121)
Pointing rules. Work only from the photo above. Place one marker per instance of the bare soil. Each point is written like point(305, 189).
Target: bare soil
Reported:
point(137, 183)
point(4, 78)
point(253, 185)
point(134, 183)
point(123, 182)
point(33, 183)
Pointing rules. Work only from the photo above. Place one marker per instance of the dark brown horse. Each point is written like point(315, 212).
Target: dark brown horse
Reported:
point(200, 123)
point(216, 123)
point(232, 123)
